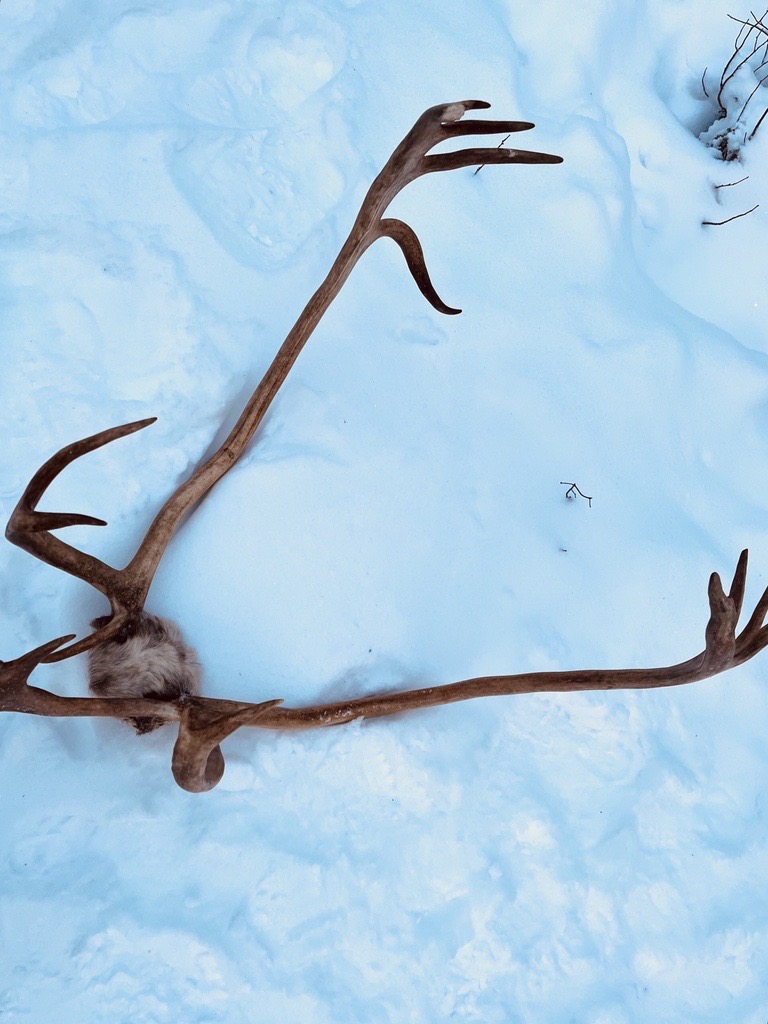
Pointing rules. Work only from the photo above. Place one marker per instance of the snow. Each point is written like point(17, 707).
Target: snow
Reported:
point(175, 180)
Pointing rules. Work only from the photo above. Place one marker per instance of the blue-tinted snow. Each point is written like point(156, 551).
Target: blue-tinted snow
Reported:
point(175, 179)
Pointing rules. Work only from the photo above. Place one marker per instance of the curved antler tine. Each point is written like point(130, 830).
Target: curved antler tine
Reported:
point(757, 618)
point(14, 692)
point(198, 763)
point(411, 248)
point(99, 636)
point(40, 654)
point(472, 104)
point(751, 645)
point(754, 636)
point(486, 127)
point(434, 121)
point(471, 157)
point(50, 469)
point(451, 111)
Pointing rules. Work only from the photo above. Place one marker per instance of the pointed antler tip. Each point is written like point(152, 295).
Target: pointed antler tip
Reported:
point(715, 586)
point(548, 158)
point(44, 521)
point(40, 654)
point(456, 110)
point(140, 424)
point(67, 638)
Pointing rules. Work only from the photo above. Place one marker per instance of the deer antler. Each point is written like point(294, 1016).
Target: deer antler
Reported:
point(127, 588)
point(198, 763)
point(204, 722)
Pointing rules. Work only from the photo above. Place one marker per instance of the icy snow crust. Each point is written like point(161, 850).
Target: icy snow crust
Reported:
point(175, 180)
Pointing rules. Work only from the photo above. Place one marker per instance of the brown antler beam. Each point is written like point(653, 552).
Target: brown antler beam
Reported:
point(198, 763)
point(127, 588)
point(408, 162)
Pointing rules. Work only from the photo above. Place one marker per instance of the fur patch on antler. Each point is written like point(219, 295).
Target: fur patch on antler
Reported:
point(148, 658)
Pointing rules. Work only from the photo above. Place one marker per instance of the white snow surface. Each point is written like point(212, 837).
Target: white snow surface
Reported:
point(176, 178)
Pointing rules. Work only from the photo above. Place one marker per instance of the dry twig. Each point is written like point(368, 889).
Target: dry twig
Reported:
point(573, 487)
point(719, 223)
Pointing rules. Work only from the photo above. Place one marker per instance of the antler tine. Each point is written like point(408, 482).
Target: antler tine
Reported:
point(50, 469)
point(739, 582)
point(724, 647)
point(14, 674)
point(411, 248)
point(754, 637)
point(30, 529)
point(453, 128)
point(198, 763)
point(471, 157)
point(29, 661)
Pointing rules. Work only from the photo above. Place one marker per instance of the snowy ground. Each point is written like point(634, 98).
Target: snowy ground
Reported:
point(175, 180)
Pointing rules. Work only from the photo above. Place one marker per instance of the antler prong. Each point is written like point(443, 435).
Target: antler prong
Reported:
point(50, 469)
point(411, 248)
point(44, 521)
point(471, 157)
point(198, 763)
point(721, 628)
point(739, 583)
point(454, 128)
point(36, 657)
point(119, 618)
point(754, 637)
point(14, 674)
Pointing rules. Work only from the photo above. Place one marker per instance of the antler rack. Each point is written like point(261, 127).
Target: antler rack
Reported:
point(204, 723)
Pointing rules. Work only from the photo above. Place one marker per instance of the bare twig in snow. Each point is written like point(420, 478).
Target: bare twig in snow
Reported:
point(718, 223)
point(730, 184)
point(759, 122)
point(573, 487)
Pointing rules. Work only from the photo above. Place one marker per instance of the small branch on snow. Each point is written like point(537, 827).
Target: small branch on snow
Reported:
point(570, 492)
point(718, 223)
point(730, 184)
point(760, 121)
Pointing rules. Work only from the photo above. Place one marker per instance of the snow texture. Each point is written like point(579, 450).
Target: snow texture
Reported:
point(175, 179)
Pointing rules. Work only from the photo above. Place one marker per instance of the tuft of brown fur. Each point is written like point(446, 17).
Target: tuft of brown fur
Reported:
point(148, 658)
